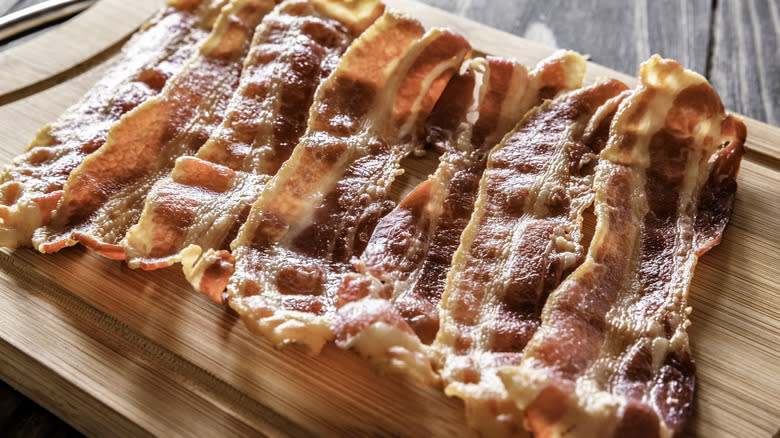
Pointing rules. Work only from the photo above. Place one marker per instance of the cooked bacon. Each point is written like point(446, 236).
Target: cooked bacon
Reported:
point(522, 238)
point(611, 357)
point(31, 185)
point(207, 197)
point(405, 264)
point(320, 208)
point(104, 195)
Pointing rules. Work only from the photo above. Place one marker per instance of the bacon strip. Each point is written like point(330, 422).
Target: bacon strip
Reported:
point(523, 237)
point(405, 264)
point(104, 196)
point(612, 357)
point(31, 185)
point(207, 197)
point(320, 208)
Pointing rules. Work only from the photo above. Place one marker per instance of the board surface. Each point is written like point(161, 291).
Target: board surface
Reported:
point(120, 352)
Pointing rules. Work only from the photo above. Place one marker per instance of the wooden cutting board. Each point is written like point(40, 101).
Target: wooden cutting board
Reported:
point(120, 352)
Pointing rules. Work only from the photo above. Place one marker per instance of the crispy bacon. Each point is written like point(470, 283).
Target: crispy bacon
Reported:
point(104, 195)
point(405, 264)
point(522, 238)
point(31, 185)
point(320, 208)
point(207, 197)
point(477, 278)
point(611, 357)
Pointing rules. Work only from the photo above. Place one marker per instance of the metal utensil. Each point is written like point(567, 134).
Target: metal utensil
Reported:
point(40, 14)
point(6, 5)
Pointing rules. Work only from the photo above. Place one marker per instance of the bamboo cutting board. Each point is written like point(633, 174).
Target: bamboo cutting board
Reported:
point(120, 352)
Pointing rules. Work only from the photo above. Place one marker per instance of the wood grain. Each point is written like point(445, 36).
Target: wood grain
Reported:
point(615, 33)
point(746, 57)
point(121, 352)
point(734, 43)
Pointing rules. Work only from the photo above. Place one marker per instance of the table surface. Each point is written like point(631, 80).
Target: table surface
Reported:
point(734, 43)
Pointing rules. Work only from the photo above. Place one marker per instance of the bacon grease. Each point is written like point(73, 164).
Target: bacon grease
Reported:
point(404, 267)
point(32, 185)
point(521, 240)
point(611, 357)
point(321, 207)
point(105, 194)
point(206, 199)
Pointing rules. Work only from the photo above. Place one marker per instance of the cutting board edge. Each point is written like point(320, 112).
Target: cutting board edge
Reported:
point(768, 128)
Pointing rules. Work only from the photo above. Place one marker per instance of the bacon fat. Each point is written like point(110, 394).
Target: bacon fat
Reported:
point(521, 240)
point(256, 142)
point(31, 186)
point(105, 194)
point(404, 266)
point(611, 357)
point(320, 208)
point(205, 200)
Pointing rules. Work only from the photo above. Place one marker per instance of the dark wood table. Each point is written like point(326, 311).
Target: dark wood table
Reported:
point(734, 43)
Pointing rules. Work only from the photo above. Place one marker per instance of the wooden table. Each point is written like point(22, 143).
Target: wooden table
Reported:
point(734, 43)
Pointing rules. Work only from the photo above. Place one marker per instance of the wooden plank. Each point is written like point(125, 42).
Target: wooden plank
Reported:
point(616, 34)
point(742, 38)
point(746, 57)
point(487, 40)
point(116, 351)
point(761, 136)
